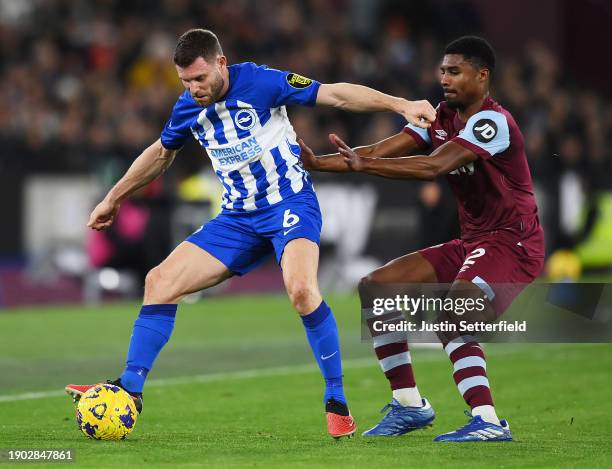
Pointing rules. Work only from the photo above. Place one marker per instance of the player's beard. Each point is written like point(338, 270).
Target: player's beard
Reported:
point(217, 87)
point(216, 90)
point(454, 104)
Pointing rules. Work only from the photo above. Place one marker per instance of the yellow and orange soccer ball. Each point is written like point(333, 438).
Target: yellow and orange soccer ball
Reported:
point(106, 412)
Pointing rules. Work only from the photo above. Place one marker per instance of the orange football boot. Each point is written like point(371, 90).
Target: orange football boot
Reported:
point(339, 420)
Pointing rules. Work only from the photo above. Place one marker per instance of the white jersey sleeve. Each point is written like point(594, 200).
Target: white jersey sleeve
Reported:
point(421, 135)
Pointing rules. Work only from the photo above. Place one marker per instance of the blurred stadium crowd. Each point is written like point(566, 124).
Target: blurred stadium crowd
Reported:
point(84, 86)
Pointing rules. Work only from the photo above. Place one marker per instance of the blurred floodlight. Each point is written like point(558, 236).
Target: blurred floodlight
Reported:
point(109, 279)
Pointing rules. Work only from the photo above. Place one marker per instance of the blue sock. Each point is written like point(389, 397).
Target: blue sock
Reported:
point(322, 334)
point(152, 329)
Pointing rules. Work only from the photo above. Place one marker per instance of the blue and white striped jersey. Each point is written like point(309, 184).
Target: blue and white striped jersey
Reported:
point(247, 135)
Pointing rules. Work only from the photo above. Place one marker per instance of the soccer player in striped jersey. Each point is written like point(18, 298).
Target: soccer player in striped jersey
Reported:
point(479, 147)
point(237, 113)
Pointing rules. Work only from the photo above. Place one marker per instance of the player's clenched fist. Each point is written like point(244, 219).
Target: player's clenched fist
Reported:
point(103, 215)
point(419, 113)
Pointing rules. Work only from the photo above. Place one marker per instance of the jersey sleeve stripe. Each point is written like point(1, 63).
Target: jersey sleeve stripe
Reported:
point(421, 138)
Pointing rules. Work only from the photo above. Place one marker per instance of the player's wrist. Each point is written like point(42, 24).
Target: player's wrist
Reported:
point(315, 163)
point(113, 198)
point(398, 105)
point(360, 164)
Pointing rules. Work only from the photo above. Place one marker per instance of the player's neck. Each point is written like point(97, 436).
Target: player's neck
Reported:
point(226, 85)
point(465, 113)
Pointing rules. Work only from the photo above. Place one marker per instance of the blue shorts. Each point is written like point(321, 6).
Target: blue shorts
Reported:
point(244, 240)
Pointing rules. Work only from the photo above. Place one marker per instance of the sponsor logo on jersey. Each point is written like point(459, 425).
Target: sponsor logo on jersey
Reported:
point(484, 130)
point(466, 170)
point(298, 81)
point(241, 151)
point(440, 134)
point(245, 119)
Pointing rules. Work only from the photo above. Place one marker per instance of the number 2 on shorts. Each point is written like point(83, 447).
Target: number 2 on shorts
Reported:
point(469, 260)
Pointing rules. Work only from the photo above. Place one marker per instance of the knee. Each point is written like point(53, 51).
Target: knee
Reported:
point(367, 290)
point(159, 287)
point(448, 327)
point(365, 283)
point(304, 297)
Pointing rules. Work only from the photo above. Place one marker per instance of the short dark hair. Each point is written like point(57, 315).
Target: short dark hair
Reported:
point(196, 43)
point(475, 49)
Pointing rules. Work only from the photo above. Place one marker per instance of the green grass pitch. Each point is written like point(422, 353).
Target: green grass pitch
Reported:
point(237, 387)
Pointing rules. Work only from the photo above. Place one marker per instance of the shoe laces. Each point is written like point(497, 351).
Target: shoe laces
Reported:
point(392, 406)
point(387, 406)
point(469, 424)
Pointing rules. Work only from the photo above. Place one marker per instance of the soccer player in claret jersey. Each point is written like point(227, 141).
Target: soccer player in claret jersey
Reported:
point(237, 113)
point(478, 146)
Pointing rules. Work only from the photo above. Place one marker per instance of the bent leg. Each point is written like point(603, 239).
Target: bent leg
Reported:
point(495, 270)
point(392, 348)
point(411, 268)
point(300, 263)
point(466, 354)
point(187, 269)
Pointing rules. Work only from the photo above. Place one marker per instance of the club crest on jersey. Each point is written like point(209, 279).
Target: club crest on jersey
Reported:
point(298, 81)
point(484, 130)
point(245, 119)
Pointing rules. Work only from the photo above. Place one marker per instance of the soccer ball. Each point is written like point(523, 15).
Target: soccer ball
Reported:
point(106, 412)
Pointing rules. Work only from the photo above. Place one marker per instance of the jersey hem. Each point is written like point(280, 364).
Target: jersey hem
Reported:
point(303, 190)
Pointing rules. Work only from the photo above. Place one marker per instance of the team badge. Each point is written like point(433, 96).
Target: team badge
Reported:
point(245, 119)
point(298, 81)
point(484, 130)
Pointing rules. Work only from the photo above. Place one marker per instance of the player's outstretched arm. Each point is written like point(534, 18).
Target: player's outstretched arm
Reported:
point(358, 98)
point(443, 160)
point(152, 162)
point(400, 144)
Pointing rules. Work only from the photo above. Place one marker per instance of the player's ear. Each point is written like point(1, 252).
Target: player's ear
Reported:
point(222, 61)
point(484, 74)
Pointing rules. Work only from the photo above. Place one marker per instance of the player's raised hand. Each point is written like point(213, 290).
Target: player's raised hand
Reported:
point(309, 160)
point(419, 113)
point(103, 215)
point(352, 159)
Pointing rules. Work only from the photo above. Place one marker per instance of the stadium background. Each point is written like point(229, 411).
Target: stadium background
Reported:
point(86, 85)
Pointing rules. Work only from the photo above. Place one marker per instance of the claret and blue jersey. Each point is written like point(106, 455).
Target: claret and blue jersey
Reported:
point(247, 135)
